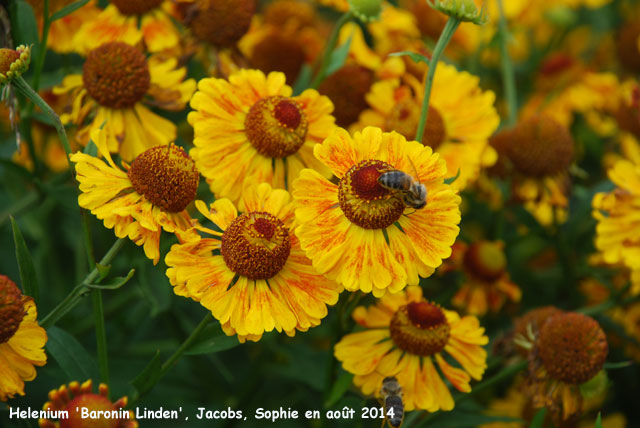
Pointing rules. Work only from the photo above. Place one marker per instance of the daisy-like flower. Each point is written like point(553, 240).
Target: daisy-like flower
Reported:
point(618, 229)
point(406, 336)
point(250, 129)
point(487, 284)
point(22, 340)
point(131, 22)
point(116, 83)
point(460, 121)
point(569, 350)
point(253, 276)
point(539, 151)
point(143, 199)
point(361, 233)
point(13, 63)
point(73, 397)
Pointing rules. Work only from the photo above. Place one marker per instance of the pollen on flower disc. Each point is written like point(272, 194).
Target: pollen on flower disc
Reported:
point(485, 260)
point(364, 201)
point(256, 245)
point(92, 402)
point(572, 347)
point(277, 52)
point(276, 126)
point(420, 328)
point(222, 22)
point(136, 7)
point(166, 176)
point(540, 146)
point(7, 57)
point(347, 88)
point(11, 308)
point(116, 75)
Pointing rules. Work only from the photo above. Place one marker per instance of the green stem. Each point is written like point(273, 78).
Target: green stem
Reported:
point(20, 84)
point(101, 336)
point(328, 50)
point(42, 51)
point(88, 242)
point(508, 76)
point(73, 298)
point(441, 44)
point(193, 336)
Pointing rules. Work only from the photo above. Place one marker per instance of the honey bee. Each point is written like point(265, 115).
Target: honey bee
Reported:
point(391, 393)
point(414, 193)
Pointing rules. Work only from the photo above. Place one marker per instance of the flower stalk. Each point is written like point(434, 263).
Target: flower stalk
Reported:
point(328, 51)
point(508, 76)
point(444, 39)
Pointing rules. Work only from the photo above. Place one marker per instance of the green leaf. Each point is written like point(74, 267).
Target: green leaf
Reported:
point(25, 264)
point(304, 80)
point(599, 420)
point(538, 419)
point(212, 340)
point(24, 26)
point(148, 377)
point(68, 10)
point(339, 56)
point(415, 56)
point(103, 270)
point(70, 355)
point(113, 283)
point(339, 388)
point(18, 169)
point(452, 179)
point(91, 149)
point(619, 365)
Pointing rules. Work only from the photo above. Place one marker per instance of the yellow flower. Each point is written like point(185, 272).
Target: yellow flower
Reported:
point(116, 82)
point(404, 335)
point(69, 398)
point(131, 22)
point(145, 198)
point(361, 233)
point(253, 276)
point(460, 121)
point(250, 130)
point(13, 63)
point(63, 30)
point(618, 229)
point(487, 284)
point(341, 5)
point(22, 340)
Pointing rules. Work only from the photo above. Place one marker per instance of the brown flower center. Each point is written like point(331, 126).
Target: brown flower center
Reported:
point(93, 403)
point(485, 260)
point(572, 347)
point(420, 328)
point(347, 89)
point(7, 57)
point(116, 75)
point(222, 22)
point(627, 46)
point(540, 146)
point(364, 201)
point(136, 7)
point(166, 176)
point(277, 52)
point(11, 308)
point(281, 12)
point(256, 245)
point(276, 126)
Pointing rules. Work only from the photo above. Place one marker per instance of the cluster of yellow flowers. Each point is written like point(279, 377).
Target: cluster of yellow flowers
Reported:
point(318, 187)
